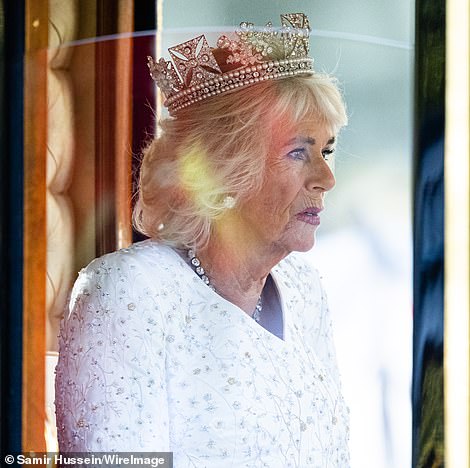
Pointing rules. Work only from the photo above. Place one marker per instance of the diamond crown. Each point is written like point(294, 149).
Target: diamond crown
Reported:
point(197, 72)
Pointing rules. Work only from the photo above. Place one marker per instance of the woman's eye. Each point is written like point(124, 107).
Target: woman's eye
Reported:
point(328, 152)
point(298, 154)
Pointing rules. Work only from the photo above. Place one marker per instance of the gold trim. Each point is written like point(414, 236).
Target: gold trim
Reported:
point(34, 242)
point(457, 255)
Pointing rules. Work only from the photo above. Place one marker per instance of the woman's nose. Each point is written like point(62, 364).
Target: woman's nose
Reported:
point(321, 177)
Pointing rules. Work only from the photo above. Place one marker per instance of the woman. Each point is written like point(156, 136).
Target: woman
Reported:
point(211, 339)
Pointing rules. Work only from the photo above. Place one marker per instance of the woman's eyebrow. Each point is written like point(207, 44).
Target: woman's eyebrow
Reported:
point(308, 140)
point(301, 139)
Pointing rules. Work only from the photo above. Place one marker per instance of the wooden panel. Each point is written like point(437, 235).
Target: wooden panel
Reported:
point(105, 151)
point(113, 121)
point(123, 142)
point(34, 279)
point(82, 188)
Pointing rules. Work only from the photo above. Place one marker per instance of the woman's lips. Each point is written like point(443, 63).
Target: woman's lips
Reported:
point(309, 216)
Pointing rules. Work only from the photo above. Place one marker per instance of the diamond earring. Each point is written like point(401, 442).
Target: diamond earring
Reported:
point(229, 202)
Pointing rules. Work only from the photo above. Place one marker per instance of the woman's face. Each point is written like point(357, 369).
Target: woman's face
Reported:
point(285, 214)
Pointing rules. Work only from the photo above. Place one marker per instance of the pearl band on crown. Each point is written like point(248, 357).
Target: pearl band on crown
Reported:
point(195, 73)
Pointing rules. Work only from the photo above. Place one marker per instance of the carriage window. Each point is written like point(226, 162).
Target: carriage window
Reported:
point(100, 111)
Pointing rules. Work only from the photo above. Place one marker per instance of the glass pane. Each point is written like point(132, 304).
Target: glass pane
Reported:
point(363, 248)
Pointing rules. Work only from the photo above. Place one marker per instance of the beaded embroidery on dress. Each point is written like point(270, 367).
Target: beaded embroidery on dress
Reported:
point(151, 359)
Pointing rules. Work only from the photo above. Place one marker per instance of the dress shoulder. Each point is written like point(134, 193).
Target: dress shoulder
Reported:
point(110, 377)
point(127, 275)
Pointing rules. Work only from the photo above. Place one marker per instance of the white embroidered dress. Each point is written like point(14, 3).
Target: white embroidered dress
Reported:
point(151, 359)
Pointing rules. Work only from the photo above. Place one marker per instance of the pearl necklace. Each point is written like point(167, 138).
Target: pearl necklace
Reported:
point(199, 269)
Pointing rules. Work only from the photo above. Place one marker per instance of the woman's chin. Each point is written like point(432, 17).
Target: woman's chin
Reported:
point(306, 247)
point(303, 243)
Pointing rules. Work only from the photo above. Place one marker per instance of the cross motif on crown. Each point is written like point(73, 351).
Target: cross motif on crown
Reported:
point(165, 75)
point(256, 54)
point(194, 61)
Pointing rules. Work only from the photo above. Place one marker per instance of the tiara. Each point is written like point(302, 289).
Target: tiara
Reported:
point(198, 72)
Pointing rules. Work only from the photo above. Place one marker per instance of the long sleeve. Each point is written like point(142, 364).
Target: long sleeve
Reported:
point(110, 379)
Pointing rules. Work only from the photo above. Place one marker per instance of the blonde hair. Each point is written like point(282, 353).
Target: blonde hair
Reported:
point(218, 148)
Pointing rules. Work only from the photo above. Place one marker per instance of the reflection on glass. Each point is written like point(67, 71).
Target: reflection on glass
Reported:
point(364, 245)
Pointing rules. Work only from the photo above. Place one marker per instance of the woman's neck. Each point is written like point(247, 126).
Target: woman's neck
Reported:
point(238, 270)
